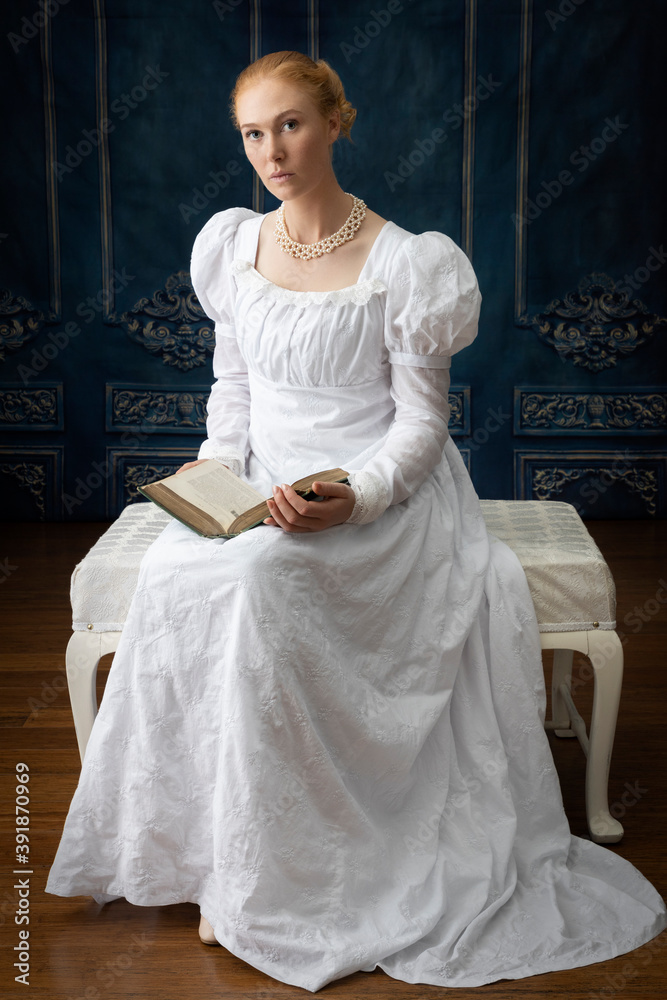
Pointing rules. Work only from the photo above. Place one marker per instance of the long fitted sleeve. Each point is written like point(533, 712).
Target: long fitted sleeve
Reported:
point(228, 408)
point(432, 311)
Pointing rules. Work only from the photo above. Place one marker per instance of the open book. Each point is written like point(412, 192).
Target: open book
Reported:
point(217, 504)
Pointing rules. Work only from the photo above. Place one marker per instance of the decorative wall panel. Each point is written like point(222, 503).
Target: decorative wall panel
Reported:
point(20, 322)
point(595, 326)
point(31, 481)
point(37, 408)
point(459, 410)
point(177, 328)
point(620, 483)
point(163, 410)
point(122, 150)
point(548, 410)
point(20, 319)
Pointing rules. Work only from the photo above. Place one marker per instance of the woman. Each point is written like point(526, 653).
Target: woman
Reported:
point(328, 731)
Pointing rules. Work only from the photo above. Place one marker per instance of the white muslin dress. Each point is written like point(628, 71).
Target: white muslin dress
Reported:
point(333, 742)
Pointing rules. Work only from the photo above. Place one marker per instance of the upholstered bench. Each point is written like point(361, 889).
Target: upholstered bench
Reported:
point(570, 583)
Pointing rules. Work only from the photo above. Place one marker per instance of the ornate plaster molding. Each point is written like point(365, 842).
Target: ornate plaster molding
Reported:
point(595, 325)
point(172, 324)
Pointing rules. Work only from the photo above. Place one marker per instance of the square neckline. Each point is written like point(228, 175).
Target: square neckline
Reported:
point(309, 291)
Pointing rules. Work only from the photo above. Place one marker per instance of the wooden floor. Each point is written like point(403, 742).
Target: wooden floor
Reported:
point(80, 950)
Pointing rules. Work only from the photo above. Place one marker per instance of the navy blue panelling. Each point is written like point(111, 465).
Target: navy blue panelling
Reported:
point(525, 131)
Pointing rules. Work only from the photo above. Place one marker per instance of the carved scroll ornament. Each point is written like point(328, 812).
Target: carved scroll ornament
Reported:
point(19, 322)
point(595, 325)
point(177, 327)
point(593, 412)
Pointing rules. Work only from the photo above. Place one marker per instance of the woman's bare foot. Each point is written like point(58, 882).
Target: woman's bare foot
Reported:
point(206, 935)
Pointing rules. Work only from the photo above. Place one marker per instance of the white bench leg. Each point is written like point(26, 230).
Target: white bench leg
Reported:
point(84, 652)
point(605, 652)
point(606, 655)
point(560, 712)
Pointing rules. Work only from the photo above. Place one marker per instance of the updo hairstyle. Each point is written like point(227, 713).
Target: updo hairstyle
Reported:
point(317, 78)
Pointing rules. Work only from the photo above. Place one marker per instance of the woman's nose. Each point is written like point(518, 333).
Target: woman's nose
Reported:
point(274, 148)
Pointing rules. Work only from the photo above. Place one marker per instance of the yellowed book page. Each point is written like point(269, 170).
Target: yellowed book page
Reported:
point(216, 490)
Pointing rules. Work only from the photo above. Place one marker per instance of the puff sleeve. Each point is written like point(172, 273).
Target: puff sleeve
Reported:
point(228, 406)
point(432, 311)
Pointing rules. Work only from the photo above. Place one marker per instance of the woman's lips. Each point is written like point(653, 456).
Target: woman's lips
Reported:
point(281, 177)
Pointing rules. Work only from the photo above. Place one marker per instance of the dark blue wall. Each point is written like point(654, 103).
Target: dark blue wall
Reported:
point(532, 133)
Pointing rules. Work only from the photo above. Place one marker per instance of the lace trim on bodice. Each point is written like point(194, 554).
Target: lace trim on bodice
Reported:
point(358, 294)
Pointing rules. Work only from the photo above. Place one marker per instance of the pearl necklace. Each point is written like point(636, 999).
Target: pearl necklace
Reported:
point(306, 251)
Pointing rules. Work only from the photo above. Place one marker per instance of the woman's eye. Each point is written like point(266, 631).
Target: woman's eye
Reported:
point(252, 133)
point(293, 123)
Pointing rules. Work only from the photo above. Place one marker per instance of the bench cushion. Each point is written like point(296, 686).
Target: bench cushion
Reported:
point(105, 580)
point(571, 585)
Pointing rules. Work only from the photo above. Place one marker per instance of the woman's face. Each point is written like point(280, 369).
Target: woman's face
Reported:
point(286, 139)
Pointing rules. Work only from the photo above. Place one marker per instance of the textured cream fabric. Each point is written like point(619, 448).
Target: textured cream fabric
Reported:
point(570, 583)
point(104, 581)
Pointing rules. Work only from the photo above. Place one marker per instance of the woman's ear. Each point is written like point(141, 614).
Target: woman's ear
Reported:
point(334, 125)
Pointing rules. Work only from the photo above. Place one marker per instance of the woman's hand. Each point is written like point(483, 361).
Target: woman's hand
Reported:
point(291, 512)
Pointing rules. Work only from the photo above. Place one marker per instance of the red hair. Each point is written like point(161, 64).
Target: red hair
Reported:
point(318, 79)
